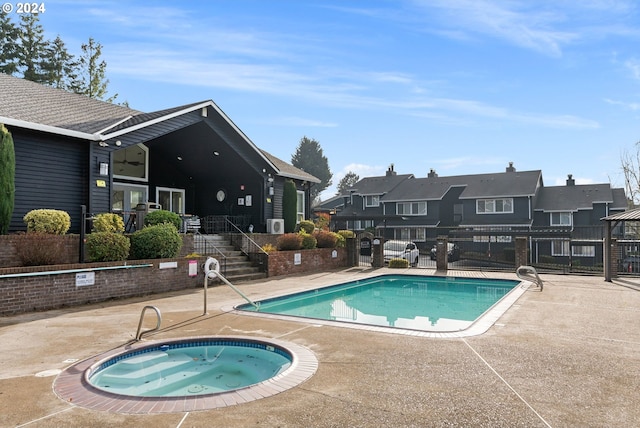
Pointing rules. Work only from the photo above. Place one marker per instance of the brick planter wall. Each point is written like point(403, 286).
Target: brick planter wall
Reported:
point(44, 291)
point(319, 259)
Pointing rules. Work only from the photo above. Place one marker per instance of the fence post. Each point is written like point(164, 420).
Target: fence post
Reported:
point(442, 248)
point(521, 251)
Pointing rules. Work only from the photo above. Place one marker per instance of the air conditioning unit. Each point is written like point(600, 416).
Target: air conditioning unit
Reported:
point(275, 225)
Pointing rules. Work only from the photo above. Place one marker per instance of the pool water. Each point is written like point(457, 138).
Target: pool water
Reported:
point(190, 369)
point(426, 303)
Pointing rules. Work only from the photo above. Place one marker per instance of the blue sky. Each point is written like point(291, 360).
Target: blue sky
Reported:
point(459, 86)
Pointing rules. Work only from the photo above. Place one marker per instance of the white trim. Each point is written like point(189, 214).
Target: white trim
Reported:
point(49, 129)
point(171, 191)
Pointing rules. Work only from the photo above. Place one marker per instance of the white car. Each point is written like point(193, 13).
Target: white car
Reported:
point(401, 250)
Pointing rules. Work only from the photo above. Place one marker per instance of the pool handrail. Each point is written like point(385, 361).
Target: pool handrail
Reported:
point(215, 272)
point(139, 334)
point(529, 273)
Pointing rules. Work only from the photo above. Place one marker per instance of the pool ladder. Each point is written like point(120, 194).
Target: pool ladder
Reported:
point(529, 273)
point(139, 333)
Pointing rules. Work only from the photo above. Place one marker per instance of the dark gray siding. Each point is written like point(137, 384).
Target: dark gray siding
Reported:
point(51, 172)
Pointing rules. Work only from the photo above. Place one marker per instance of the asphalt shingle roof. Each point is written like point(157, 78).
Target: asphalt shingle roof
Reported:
point(583, 196)
point(32, 102)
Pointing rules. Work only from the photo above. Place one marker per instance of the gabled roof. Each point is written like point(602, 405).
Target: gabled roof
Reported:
point(30, 105)
point(287, 170)
point(577, 197)
point(504, 184)
point(35, 106)
point(378, 185)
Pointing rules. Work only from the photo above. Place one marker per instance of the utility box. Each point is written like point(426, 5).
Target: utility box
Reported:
point(142, 210)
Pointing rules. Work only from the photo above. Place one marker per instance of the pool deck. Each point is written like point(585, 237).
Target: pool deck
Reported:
point(565, 357)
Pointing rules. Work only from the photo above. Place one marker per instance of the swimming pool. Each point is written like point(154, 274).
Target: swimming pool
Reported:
point(408, 302)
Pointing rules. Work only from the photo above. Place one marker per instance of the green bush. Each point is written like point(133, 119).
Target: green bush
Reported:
point(341, 242)
point(309, 242)
point(306, 226)
point(108, 222)
point(39, 249)
point(7, 178)
point(398, 263)
point(155, 242)
point(107, 246)
point(289, 241)
point(290, 206)
point(162, 216)
point(326, 239)
point(347, 234)
point(54, 222)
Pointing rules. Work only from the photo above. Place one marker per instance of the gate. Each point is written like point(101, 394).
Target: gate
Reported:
point(365, 240)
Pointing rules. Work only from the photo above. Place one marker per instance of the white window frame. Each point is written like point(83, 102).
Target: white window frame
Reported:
point(171, 190)
point(372, 201)
point(145, 149)
point(583, 251)
point(415, 208)
point(490, 206)
point(415, 234)
point(300, 206)
point(564, 248)
point(565, 218)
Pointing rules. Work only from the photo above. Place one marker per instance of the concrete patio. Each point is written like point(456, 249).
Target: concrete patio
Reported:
point(565, 357)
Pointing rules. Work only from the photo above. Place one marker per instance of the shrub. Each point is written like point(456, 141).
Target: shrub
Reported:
point(347, 234)
point(326, 239)
point(322, 221)
point(398, 263)
point(306, 226)
point(289, 241)
point(268, 248)
point(289, 206)
point(341, 242)
point(108, 222)
point(162, 216)
point(7, 178)
point(107, 246)
point(309, 242)
point(39, 249)
point(54, 222)
point(156, 242)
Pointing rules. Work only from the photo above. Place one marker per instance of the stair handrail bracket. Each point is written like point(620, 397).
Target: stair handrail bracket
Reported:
point(529, 273)
point(212, 270)
point(139, 333)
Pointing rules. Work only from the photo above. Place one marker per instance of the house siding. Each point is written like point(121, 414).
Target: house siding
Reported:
point(51, 173)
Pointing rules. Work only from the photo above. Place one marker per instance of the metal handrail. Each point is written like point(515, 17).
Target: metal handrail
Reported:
point(529, 273)
point(215, 274)
point(139, 334)
point(245, 236)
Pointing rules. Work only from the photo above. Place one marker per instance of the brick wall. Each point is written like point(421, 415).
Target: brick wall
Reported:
point(319, 259)
point(43, 291)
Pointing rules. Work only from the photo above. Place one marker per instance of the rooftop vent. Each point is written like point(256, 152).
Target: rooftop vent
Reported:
point(570, 180)
point(432, 173)
point(390, 171)
point(511, 168)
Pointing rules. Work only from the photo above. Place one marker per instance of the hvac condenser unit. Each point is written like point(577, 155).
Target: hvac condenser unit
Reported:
point(275, 225)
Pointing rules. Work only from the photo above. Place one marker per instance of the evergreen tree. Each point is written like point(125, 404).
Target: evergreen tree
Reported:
point(32, 48)
point(91, 80)
point(59, 65)
point(7, 178)
point(290, 206)
point(349, 179)
point(9, 36)
point(309, 158)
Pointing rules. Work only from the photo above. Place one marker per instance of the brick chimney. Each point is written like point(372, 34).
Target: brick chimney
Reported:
point(390, 171)
point(570, 180)
point(432, 173)
point(511, 168)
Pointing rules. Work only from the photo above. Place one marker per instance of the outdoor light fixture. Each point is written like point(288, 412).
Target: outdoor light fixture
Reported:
point(104, 168)
point(103, 144)
point(179, 158)
point(118, 143)
point(215, 153)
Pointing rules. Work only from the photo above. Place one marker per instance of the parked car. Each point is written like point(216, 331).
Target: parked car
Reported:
point(401, 250)
point(453, 252)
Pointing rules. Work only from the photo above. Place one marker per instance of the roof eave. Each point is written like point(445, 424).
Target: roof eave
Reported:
point(49, 129)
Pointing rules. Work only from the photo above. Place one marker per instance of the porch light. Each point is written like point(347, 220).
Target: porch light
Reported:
point(215, 153)
point(104, 169)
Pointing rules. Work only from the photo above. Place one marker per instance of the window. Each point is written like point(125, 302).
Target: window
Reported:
point(411, 208)
point(300, 205)
point(561, 219)
point(410, 234)
point(372, 201)
point(360, 224)
point(131, 163)
point(583, 250)
point(171, 199)
point(559, 248)
point(494, 206)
